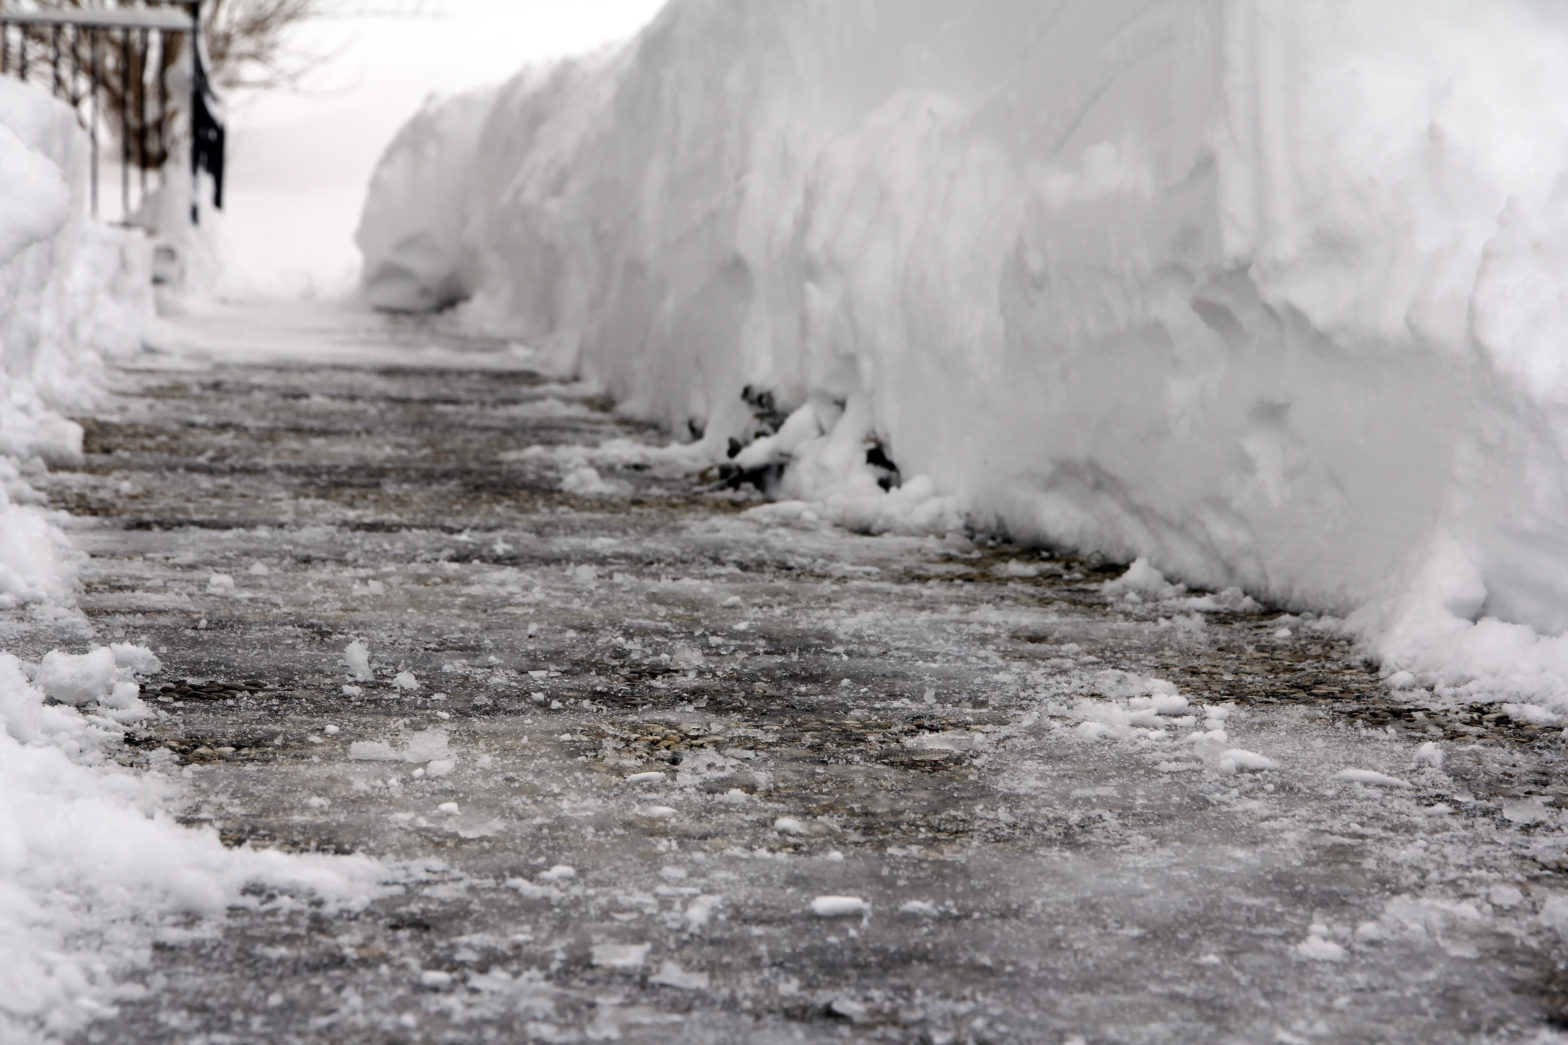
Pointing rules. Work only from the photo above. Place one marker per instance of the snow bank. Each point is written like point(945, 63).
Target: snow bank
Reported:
point(1266, 293)
point(71, 293)
point(421, 261)
point(88, 858)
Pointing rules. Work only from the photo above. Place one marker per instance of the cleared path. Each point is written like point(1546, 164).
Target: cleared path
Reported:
point(645, 729)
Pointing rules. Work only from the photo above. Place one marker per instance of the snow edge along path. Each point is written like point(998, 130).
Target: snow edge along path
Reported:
point(90, 859)
point(1266, 294)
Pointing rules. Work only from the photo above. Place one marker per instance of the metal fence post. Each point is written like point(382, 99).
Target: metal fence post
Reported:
point(77, 48)
point(195, 101)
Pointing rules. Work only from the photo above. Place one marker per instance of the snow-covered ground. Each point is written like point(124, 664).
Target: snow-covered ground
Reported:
point(1266, 294)
point(88, 855)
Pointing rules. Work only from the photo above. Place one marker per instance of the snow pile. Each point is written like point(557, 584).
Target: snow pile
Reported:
point(88, 858)
point(71, 292)
point(1268, 294)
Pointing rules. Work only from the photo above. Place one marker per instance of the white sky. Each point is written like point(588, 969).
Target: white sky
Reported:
point(299, 163)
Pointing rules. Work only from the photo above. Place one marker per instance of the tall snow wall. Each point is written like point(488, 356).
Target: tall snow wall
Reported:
point(1270, 293)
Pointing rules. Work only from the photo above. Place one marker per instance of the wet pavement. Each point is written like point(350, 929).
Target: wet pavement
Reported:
point(653, 762)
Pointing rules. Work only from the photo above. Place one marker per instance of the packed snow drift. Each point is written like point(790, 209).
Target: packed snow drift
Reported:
point(89, 859)
point(1268, 294)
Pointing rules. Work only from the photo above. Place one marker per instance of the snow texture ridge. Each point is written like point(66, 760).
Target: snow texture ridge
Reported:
point(1267, 294)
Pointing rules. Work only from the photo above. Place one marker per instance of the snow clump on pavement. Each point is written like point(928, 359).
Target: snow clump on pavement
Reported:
point(1129, 284)
point(585, 481)
point(356, 656)
point(839, 906)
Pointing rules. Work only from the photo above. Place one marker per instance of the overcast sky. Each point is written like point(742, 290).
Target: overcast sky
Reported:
point(299, 162)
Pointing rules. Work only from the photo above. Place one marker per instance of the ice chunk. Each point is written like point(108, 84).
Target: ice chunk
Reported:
point(1505, 896)
point(672, 975)
point(687, 658)
point(587, 482)
point(1167, 703)
point(839, 906)
point(849, 1009)
point(1319, 948)
point(429, 745)
point(1525, 811)
point(620, 955)
point(1241, 760)
point(1554, 914)
point(1370, 777)
point(220, 584)
point(1371, 932)
point(947, 740)
point(405, 681)
point(357, 656)
point(788, 825)
point(701, 911)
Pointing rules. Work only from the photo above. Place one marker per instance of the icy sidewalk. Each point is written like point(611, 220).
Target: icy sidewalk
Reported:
point(672, 772)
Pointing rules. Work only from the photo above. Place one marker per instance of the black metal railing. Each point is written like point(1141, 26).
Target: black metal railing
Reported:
point(112, 61)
